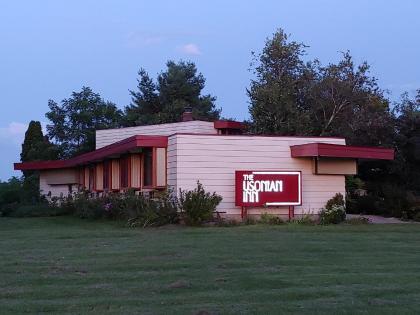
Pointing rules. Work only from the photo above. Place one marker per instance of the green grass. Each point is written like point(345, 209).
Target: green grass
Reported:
point(67, 265)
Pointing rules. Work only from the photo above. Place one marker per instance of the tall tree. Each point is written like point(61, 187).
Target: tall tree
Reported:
point(164, 101)
point(277, 94)
point(407, 113)
point(74, 121)
point(35, 147)
point(291, 97)
point(346, 101)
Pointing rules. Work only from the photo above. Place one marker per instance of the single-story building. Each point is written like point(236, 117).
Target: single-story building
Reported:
point(283, 175)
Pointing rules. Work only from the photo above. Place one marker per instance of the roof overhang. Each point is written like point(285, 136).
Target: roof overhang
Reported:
point(228, 124)
point(340, 151)
point(117, 148)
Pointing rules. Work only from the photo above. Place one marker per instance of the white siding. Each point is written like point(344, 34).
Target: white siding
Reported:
point(213, 160)
point(109, 136)
point(53, 190)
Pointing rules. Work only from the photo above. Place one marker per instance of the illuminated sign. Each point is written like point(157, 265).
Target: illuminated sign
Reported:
point(268, 188)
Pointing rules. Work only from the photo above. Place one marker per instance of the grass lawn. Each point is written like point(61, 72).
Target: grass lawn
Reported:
point(67, 265)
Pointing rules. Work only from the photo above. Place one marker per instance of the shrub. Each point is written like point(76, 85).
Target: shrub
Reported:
point(337, 200)
point(270, 219)
point(197, 205)
point(144, 212)
point(88, 208)
point(334, 215)
point(37, 210)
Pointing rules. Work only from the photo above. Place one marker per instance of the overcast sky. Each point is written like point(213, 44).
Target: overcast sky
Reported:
point(50, 48)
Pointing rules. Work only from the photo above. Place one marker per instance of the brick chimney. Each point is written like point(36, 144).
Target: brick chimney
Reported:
point(187, 114)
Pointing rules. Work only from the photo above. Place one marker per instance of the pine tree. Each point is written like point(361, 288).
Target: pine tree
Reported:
point(164, 101)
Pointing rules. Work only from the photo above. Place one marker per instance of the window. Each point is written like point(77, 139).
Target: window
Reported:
point(107, 174)
point(148, 167)
point(124, 171)
point(91, 178)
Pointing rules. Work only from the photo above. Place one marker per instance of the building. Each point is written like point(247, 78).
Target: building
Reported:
point(287, 176)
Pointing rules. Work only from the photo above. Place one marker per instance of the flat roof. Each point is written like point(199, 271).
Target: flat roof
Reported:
point(120, 147)
point(341, 151)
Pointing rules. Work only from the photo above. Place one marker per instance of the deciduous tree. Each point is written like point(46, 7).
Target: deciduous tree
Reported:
point(74, 121)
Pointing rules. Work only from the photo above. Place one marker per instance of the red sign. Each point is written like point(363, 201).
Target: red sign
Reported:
point(268, 188)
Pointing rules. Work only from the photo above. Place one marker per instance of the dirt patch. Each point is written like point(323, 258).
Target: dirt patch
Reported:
point(180, 284)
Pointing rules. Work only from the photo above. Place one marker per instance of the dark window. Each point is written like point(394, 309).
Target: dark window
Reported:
point(124, 170)
point(147, 167)
point(107, 173)
point(91, 178)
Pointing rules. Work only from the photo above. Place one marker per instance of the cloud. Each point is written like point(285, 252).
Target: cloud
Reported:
point(190, 49)
point(14, 132)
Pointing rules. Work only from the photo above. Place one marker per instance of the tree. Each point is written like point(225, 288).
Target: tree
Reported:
point(74, 121)
point(164, 101)
point(407, 113)
point(293, 97)
point(277, 94)
point(346, 101)
point(35, 147)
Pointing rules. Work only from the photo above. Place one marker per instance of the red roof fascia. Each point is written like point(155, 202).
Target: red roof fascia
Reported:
point(228, 124)
point(109, 150)
point(340, 151)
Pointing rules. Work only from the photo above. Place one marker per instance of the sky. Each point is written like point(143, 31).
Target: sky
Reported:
point(50, 48)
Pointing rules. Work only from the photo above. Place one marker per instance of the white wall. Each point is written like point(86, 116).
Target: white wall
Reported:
point(109, 136)
point(213, 160)
point(56, 190)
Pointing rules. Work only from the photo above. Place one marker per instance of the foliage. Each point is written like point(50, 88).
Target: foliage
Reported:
point(141, 211)
point(305, 219)
point(277, 106)
point(10, 195)
point(35, 147)
point(293, 97)
point(222, 222)
point(164, 101)
point(197, 205)
point(270, 219)
point(334, 211)
point(336, 214)
point(40, 209)
point(338, 200)
point(74, 121)
point(135, 209)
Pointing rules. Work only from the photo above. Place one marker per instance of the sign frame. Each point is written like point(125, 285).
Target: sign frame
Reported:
point(240, 203)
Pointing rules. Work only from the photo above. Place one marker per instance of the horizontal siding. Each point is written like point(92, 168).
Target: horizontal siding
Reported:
point(213, 161)
point(109, 136)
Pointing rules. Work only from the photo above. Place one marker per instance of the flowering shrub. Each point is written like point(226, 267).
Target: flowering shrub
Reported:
point(197, 205)
point(334, 215)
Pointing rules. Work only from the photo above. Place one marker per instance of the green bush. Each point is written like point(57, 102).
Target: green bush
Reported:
point(136, 210)
point(37, 210)
point(270, 219)
point(337, 200)
point(197, 205)
point(141, 211)
point(336, 214)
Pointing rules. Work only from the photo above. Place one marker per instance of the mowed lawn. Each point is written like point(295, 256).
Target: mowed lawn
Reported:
point(71, 266)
